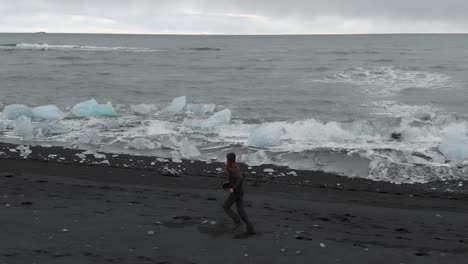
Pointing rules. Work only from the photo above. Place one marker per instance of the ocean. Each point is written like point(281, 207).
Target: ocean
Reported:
point(383, 107)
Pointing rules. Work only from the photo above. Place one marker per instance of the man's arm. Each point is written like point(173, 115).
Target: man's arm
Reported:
point(237, 176)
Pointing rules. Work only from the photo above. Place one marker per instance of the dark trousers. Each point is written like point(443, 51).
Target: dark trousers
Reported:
point(237, 198)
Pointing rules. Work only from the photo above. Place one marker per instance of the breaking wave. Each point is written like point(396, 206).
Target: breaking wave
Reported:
point(45, 47)
point(430, 145)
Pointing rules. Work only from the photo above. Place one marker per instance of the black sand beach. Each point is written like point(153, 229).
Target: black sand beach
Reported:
point(59, 207)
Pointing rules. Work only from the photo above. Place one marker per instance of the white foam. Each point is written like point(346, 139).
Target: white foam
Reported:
point(398, 173)
point(141, 144)
point(158, 127)
point(387, 80)
point(396, 109)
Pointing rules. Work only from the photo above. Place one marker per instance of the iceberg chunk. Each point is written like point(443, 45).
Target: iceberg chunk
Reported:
point(255, 159)
point(188, 149)
point(219, 118)
point(141, 144)
point(92, 108)
point(23, 128)
point(12, 112)
point(156, 128)
point(455, 147)
point(47, 112)
point(200, 108)
point(169, 142)
point(266, 135)
point(52, 129)
point(177, 105)
point(3, 127)
point(144, 109)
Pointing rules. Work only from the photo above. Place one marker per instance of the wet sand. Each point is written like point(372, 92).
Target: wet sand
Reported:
point(63, 209)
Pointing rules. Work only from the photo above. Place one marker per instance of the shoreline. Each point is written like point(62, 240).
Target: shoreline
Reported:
point(267, 173)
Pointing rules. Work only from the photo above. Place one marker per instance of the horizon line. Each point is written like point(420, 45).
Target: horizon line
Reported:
point(245, 34)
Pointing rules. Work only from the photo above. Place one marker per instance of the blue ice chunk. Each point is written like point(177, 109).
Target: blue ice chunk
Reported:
point(177, 105)
point(266, 135)
point(23, 128)
point(188, 149)
point(218, 119)
point(13, 111)
point(455, 147)
point(47, 112)
point(92, 108)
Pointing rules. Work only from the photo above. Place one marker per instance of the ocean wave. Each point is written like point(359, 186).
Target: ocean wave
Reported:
point(396, 109)
point(204, 49)
point(69, 58)
point(388, 80)
point(321, 69)
point(350, 52)
point(45, 47)
point(383, 60)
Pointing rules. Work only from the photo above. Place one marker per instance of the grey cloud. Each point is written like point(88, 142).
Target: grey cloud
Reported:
point(237, 16)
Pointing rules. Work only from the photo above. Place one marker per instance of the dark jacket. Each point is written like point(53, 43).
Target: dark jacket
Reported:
point(235, 180)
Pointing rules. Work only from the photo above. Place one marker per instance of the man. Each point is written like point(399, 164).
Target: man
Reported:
point(236, 194)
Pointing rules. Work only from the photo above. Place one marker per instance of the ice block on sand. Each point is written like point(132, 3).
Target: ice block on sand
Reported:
point(177, 105)
point(266, 135)
point(92, 108)
point(455, 147)
point(13, 111)
point(144, 109)
point(47, 112)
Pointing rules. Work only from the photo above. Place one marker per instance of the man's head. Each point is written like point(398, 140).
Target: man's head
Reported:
point(231, 157)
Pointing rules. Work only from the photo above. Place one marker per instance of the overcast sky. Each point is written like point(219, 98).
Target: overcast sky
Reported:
point(235, 16)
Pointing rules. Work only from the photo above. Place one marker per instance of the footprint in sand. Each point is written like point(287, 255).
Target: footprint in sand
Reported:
point(303, 238)
point(183, 217)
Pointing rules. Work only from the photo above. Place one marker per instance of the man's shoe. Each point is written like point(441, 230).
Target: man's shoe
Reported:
point(236, 226)
point(250, 232)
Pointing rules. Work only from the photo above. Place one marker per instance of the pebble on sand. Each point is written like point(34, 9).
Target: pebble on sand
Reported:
point(322, 245)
